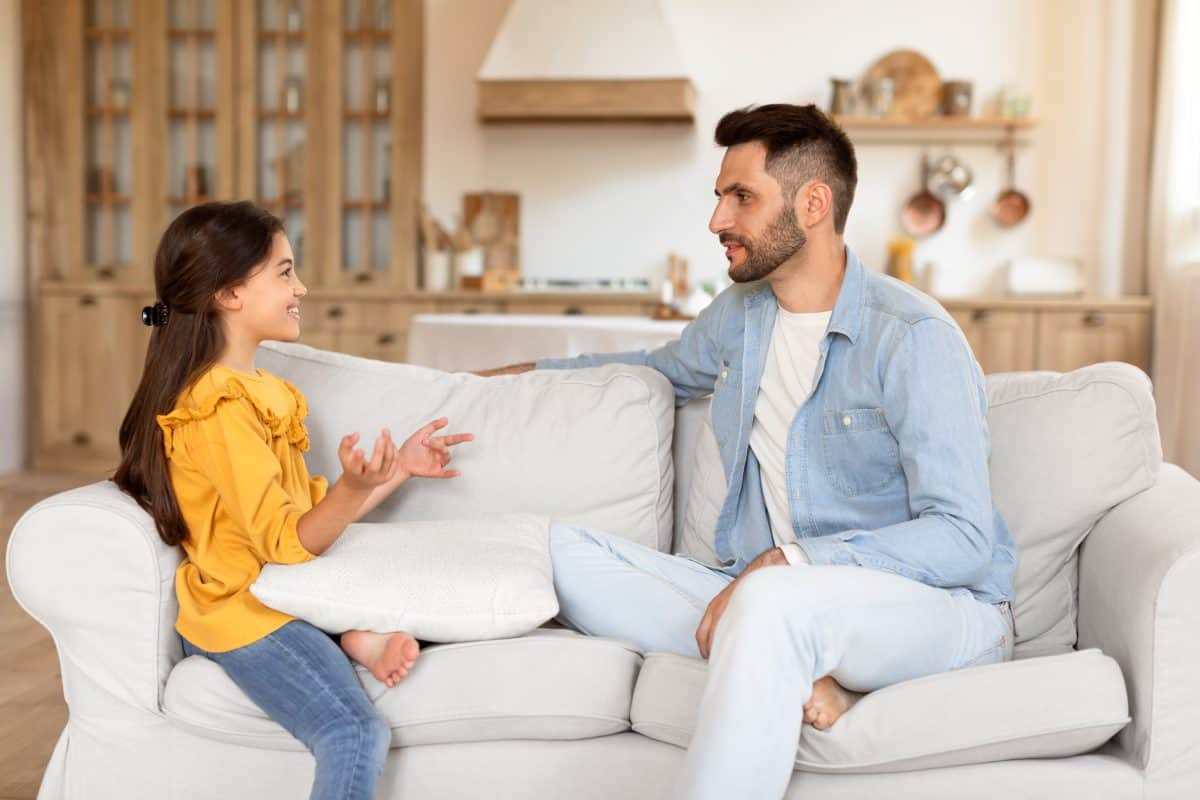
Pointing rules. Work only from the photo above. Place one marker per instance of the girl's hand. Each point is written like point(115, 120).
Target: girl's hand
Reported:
point(361, 474)
point(425, 455)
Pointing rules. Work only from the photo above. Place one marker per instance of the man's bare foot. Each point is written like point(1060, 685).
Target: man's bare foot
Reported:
point(828, 702)
point(389, 656)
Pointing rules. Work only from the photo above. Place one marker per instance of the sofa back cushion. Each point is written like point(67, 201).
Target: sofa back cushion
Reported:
point(587, 447)
point(1066, 447)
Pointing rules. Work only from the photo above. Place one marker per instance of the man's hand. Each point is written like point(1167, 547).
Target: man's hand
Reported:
point(512, 369)
point(716, 608)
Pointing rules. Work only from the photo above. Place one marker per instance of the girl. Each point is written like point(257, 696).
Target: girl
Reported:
point(212, 448)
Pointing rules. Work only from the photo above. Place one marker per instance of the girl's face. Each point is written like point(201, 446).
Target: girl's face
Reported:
point(270, 297)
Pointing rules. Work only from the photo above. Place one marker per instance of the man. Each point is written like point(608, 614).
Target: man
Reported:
point(858, 538)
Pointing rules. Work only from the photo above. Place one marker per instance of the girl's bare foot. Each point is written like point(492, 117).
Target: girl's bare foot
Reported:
point(389, 656)
point(828, 702)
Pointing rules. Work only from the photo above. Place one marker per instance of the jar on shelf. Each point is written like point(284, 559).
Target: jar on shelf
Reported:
point(292, 94)
point(295, 17)
point(383, 95)
point(118, 93)
point(900, 259)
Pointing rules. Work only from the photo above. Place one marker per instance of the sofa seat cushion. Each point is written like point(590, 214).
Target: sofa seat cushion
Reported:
point(1039, 707)
point(550, 684)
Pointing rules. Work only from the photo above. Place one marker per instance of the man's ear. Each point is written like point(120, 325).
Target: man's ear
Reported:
point(814, 203)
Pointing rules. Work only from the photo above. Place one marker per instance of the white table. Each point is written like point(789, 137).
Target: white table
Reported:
point(472, 342)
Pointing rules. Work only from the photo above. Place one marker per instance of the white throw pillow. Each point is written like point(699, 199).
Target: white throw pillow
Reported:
point(444, 581)
point(588, 447)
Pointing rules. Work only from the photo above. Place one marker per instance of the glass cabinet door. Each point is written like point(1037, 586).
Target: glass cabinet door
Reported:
point(199, 151)
point(366, 138)
point(281, 99)
point(108, 139)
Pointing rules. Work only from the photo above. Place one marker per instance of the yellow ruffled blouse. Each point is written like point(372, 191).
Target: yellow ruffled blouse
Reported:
point(234, 445)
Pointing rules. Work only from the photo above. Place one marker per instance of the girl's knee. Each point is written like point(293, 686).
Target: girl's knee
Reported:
point(364, 733)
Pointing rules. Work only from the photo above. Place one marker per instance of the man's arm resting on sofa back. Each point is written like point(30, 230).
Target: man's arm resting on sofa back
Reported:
point(691, 363)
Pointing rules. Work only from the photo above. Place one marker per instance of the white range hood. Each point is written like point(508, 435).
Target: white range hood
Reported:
point(585, 60)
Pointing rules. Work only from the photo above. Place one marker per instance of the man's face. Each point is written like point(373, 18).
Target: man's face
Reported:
point(755, 224)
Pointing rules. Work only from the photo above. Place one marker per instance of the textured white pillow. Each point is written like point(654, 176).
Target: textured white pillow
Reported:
point(444, 581)
point(588, 447)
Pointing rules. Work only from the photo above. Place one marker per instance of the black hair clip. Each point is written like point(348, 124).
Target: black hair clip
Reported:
point(156, 314)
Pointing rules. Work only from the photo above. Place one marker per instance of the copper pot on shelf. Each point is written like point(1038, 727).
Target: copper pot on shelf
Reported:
point(924, 213)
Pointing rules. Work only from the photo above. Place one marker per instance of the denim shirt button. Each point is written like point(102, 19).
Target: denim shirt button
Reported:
point(724, 374)
point(846, 420)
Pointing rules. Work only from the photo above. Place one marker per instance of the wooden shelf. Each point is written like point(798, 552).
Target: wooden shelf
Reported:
point(107, 111)
point(192, 113)
point(350, 203)
point(366, 33)
point(366, 114)
point(99, 199)
point(191, 33)
point(279, 113)
point(106, 33)
point(931, 130)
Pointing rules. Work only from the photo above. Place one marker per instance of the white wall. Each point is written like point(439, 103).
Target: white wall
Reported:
point(613, 200)
point(12, 242)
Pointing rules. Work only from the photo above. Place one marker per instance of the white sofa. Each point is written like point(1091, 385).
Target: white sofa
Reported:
point(1102, 701)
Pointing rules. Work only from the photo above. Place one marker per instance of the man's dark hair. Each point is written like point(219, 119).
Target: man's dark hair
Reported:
point(802, 144)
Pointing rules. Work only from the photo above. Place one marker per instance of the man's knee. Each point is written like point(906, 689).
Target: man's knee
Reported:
point(769, 599)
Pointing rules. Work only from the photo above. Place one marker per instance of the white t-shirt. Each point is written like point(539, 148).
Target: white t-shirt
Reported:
point(786, 383)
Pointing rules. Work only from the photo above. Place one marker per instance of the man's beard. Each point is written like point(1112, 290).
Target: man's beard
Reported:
point(780, 241)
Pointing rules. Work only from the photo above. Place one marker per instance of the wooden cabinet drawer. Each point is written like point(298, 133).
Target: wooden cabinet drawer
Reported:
point(480, 306)
point(1003, 341)
point(379, 345)
point(91, 348)
point(1070, 339)
point(579, 308)
point(335, 315)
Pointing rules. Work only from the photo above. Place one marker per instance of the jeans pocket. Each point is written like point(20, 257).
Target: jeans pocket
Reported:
point(993, 655)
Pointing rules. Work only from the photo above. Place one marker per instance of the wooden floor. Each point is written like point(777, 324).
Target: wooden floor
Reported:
point(32, 711)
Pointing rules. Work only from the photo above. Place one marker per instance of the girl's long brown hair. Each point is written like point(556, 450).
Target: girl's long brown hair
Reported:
point(207, 248)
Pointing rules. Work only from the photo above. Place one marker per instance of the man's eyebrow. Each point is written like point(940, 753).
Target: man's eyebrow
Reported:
point(733, 187)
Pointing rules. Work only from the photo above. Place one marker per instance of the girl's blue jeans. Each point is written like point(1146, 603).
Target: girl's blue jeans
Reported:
point(303, 681)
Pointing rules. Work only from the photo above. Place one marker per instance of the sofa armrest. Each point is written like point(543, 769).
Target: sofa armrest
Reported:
point(1139, 601)
point(89, 565)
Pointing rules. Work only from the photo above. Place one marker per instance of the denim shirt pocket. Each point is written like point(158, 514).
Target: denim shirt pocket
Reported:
point(861, 455)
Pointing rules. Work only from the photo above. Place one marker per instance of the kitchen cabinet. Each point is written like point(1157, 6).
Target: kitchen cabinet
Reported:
point(1015, 334)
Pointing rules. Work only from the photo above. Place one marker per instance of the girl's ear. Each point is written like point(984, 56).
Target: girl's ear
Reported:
point(227, 299)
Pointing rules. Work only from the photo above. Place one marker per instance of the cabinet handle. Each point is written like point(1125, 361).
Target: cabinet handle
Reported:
point(335, 312)
point(81, 439)
point(87, 300)
point(573, 311)
point(979, 315)
point(1093, 319)
point(470, 311)
point(362, 277)
point(386, 338)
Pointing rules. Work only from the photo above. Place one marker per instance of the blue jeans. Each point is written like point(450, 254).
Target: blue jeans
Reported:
point(304, 681)
point(784, 628)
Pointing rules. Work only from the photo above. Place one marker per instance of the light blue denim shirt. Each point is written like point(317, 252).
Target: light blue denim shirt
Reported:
point(887, 460)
